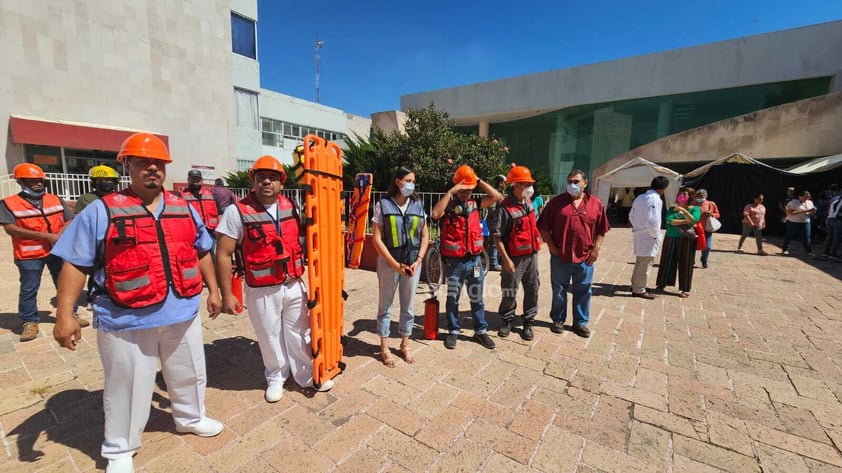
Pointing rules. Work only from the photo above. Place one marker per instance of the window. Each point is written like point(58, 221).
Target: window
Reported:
point(272, 132)
point(245, 103)
point(243, 41)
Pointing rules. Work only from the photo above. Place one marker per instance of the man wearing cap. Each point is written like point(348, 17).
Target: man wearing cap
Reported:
point(34, 219)
point(104, 180)
point(148, 252)
point(461, 246)
point(264, 229)
point(202, 200)
point(516, 239)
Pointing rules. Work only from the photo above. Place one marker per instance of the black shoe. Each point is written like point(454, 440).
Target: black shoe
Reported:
point(557, 327)
point(644, 295)
point(450, 341)
point(526, 332)
point(582, 331)
point(484, 340)
point(505, 329)
point(705, 265)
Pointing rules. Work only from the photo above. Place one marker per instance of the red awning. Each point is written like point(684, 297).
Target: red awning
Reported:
point(69, 135)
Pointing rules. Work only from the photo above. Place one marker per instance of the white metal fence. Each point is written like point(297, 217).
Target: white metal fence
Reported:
point(71, 186)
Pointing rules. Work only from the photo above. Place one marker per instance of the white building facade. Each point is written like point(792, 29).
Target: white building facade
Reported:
point(80, 77)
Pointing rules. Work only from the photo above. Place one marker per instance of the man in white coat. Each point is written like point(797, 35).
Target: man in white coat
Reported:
point(645, 218)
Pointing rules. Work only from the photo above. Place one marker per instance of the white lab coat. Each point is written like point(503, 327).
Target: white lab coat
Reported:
point(645, 217)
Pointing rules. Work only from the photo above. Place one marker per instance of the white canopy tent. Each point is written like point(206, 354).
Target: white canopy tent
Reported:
point(735, 158)
point(636, 173)
point(818, 165)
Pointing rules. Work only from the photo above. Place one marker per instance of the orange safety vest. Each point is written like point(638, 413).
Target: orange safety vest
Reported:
point(48, 219)
point(144, 257)
point(205, 206)
point(461, 231)
point(270, 251)
point(523, 236)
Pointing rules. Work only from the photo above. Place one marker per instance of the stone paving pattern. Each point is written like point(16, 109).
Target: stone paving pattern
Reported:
point(743, 376)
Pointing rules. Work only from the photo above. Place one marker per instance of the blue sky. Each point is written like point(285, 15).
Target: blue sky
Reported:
point(376, 51)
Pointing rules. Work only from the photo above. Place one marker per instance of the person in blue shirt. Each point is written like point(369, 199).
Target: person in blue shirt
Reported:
point(158, 282)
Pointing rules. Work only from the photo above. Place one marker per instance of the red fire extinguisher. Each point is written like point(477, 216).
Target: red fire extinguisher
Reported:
point(237, 290)
point(431, 318)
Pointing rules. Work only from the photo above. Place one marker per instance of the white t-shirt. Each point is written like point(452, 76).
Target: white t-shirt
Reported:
point(795, 204)
point(231, 224)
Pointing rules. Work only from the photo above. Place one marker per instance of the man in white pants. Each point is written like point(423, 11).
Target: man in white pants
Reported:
point(264, 229)
point(146, 299)
point(645, 218)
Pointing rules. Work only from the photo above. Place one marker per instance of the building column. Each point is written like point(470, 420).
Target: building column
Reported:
point(664, 119)
point(483, 128)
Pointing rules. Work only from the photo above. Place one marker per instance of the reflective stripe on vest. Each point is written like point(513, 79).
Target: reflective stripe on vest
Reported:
point(269, 258)
point(461, 234)
point(144, 257)
point(205, 205)
point(522, 237)
point(403, 243)
point(48, 219)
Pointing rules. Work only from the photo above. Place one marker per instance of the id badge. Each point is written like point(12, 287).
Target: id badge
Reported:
point(476, 271)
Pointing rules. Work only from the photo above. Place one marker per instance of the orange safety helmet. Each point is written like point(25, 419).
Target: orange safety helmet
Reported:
point(29, 171)
point(466, 175)
point(268, 163)
point(519, 174)
point(144, 145)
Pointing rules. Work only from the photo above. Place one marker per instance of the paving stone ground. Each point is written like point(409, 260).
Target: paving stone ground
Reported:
point(743, 376)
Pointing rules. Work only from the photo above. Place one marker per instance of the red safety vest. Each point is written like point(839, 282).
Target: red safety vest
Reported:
point(523, 234)
point(461, 232)
point(48, 219)
point(270, 250)
point(143, 256)
point(205, 206)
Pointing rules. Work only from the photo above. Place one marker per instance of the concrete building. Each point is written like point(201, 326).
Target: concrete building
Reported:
point(79, 77)
point(679, 107)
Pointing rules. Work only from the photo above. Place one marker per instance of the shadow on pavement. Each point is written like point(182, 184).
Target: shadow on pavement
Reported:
point(10, 321)
point(75, 419)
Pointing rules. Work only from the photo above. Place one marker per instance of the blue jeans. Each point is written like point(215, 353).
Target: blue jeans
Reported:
point(493, 258)
point(391, 281)
point(30, 280)
point(834, 235)
point(706, 251)
point(560, 276)
point(794, 230)
point(459, 271)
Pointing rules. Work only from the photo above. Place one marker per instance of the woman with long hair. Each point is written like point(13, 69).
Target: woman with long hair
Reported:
point(400, 236)
point(679, 252)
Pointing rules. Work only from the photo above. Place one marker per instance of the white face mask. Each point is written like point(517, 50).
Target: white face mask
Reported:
point(408, 189)
point(528, 192)
point(574, 190)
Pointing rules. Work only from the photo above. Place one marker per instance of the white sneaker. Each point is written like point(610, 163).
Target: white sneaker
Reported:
point(325, 387)
point(120, 465)
point(274, 393)
point(206, 427)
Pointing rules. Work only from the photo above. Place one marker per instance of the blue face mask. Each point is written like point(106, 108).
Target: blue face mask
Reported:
point(408, 189)
point(574, 189)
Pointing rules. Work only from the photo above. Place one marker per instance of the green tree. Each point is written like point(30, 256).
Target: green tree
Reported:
point(365, 155)
point(238, 180)
point(430, 146)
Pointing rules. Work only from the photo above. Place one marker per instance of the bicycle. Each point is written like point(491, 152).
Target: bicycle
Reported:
point(434, 263)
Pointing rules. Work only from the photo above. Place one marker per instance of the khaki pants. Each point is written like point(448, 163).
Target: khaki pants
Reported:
point(640, 275)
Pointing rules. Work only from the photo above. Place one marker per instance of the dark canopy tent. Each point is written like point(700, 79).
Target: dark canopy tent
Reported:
point(734, 180)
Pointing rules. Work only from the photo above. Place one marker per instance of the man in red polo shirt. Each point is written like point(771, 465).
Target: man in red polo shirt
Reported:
point(573, 224)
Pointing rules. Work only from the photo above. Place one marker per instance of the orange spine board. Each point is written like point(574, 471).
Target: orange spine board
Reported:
point(321, 176)
point(358, 219)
